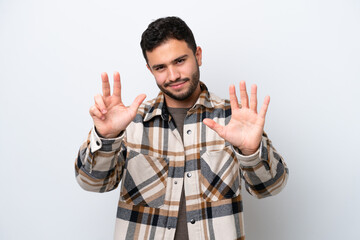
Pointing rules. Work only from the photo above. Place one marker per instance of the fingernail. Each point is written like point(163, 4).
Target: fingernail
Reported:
point(104, 111)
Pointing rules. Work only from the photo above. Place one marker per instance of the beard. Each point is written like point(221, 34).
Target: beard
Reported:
point(194, 81)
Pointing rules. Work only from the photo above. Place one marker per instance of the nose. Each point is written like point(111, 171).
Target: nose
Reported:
point(174, 74)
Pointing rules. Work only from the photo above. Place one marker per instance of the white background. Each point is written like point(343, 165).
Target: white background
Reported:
point(305, 54)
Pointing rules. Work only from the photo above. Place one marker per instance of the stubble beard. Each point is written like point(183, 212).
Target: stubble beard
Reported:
point(194, 81)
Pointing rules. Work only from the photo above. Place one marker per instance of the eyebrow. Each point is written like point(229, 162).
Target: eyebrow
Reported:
point(173, 61)
point(179, 58)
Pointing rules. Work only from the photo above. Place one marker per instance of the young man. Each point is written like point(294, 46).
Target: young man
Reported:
point(181, 157)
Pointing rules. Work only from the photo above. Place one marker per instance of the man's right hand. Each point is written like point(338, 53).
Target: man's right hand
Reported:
point(109, 114)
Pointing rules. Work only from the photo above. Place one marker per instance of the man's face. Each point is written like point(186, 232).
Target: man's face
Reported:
point(175, 68)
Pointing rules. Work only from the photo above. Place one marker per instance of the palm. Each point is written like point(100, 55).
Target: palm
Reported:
point(116, 119)
point(244, 129)
point(246, 125)
point(117, 116)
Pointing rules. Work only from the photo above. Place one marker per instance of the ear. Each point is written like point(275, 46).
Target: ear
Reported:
point(148, 67)
point(198, 55)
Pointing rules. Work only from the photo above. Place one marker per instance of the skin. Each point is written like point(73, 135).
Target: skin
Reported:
point(176, 70)
point(246, 126)
point(109, 114)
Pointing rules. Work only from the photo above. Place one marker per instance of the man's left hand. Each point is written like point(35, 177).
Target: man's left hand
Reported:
point(246, 126)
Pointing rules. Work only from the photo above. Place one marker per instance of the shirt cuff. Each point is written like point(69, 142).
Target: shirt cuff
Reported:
point(104, 144)
point(248, 160)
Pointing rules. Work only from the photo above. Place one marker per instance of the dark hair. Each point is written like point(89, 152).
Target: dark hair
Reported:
point(164, 29)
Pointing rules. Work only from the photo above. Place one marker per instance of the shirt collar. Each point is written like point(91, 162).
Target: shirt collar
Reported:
point(158, 108)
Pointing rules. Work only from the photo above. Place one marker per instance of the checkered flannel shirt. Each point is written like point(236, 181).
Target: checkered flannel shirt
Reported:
point(152, 164)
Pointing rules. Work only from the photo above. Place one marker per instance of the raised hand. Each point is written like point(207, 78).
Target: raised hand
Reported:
point(109, 114)
point(245, 128)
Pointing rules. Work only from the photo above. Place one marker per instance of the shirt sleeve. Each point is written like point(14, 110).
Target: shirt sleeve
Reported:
point(99, 164)
point(265, 172)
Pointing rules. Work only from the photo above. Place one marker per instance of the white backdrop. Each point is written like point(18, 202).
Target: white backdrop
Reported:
point(303, 53)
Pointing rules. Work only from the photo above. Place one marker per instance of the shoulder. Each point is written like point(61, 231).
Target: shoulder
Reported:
point(150, 109)
point(146, 107)
point(218, 102)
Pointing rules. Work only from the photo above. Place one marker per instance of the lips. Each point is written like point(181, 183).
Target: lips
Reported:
point(177, 84)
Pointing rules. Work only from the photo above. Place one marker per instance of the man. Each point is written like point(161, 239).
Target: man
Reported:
point(181, 157)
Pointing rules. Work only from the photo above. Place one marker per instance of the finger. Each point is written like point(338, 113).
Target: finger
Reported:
point(264, 107)
point(99, 102)
point(117, 85)
point(95, 112)
point(253, 98)
point(136, 103)
point(214, 126)
point(105, 84)
point(233, 98)
point(243, 95)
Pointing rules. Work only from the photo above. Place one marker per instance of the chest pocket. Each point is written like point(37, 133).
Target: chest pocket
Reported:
point(220, 175)
point(144, 180)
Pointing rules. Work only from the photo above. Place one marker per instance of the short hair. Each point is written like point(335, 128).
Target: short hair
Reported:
point(163, 29)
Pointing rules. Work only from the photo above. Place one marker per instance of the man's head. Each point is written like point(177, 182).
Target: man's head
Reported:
point(173, 58)
point(163, 29)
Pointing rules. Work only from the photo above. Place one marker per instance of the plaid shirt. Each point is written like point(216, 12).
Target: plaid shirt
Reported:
point(152, 163)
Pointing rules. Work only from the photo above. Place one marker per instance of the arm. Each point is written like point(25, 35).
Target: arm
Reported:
point(263, 169)
point(100, 160)
point(265, 172)
point(99, 164)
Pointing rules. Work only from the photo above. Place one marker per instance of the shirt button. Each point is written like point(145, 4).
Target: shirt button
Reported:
point(189, 175)
point(175, 182)
point(169, 227)
point(192, 221)
point(98, 143)
point(188, 132)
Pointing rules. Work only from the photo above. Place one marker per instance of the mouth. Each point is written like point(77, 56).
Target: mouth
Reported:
point(178, 84)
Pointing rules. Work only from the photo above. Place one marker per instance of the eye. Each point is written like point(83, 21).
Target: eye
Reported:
point(159, 68)
point(180, 60)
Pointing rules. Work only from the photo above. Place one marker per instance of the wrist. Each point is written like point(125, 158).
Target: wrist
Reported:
point(248, 151)
point(113, 135)
point(109, 135)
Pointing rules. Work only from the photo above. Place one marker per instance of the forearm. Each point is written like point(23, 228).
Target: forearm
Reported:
point(99, 163)
point(265, 172)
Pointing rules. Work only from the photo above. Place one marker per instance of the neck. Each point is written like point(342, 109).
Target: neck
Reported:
point(187, 103)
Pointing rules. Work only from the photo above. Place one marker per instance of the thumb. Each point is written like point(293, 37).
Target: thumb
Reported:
point(136, 103)
point(214, 126)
